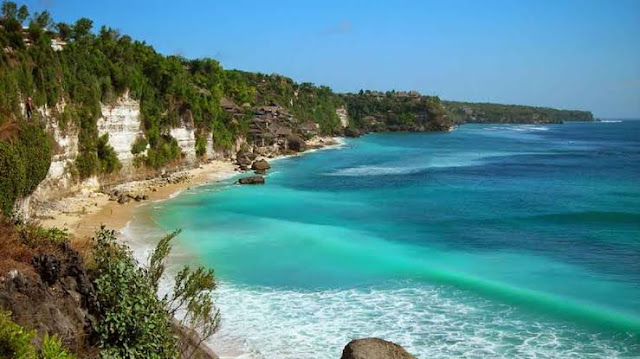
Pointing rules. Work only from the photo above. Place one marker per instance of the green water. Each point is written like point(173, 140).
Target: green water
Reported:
point(489, 241)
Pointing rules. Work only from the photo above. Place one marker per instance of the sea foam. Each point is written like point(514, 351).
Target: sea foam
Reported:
point(429, 321)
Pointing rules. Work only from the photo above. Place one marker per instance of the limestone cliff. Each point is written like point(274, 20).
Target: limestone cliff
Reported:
point(122, 121)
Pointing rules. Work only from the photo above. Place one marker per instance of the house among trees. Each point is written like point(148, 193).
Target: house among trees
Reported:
point(309, 129)
point(57, 44)
point(271, 126)
point(231, 108)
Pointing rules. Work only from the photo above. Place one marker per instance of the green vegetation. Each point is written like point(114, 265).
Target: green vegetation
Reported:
point(133, 322)
point(139, 145)
point(15, 342)
point(25, 157)
point(305, 101)
point(98, 67)
point(107, 157)
point(467, 112)
point(391, 111)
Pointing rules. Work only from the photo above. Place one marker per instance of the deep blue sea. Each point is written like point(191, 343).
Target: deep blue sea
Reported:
point(496, 241)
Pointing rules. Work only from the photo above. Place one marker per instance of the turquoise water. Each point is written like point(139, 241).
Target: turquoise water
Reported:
point(488, 241)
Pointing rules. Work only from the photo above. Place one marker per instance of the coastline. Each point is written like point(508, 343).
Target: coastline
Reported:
point(84, 212)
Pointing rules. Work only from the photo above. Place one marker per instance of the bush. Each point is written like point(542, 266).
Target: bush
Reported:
point(132, 322)
point(34, 146)
point(52, 349)
point(201, 145)
point(139, 146)
point(107, 157)
point(15, 341)
point(12, 177)
point(35, 236)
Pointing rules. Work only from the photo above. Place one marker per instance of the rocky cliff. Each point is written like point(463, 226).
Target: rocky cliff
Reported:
point(121, 120)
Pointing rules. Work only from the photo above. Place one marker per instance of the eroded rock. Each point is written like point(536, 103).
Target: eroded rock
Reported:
point(251, 180)
point(374, 348)
point(260, 165)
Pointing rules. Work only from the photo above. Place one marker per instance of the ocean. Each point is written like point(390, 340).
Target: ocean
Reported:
point(496, 241)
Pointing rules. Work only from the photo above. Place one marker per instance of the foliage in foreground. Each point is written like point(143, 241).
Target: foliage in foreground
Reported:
point(133, 322)
point(15, 342)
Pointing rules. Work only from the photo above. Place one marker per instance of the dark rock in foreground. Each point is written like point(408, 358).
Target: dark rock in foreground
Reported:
point(251, 180)
point(374, 348)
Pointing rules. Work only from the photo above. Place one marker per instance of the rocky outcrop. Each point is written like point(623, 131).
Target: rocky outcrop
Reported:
point(251, 180)
point(58, 300)
point(343, 115)
point(260, 166)
point(351, 132)
point(374, 348)
point(297, 143)
point(244, 159)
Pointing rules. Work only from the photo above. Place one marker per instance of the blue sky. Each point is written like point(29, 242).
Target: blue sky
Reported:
point(576, 54)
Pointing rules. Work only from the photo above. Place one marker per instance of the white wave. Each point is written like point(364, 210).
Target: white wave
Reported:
point(610, 121)
point(374, 171)
point(518, 128)
point(429, 321)
point(437, 161)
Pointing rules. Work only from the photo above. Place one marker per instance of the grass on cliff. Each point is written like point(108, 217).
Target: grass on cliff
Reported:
point(17, 342)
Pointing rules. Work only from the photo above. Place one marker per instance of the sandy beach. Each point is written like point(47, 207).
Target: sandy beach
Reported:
point(83, 213)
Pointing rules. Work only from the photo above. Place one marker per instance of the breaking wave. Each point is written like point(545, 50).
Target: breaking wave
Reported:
point(430, 321)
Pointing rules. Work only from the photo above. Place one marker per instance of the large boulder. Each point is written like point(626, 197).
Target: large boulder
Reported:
point(296, 143)
point(245, 158)
point(251, 180)
point(374, 348)
point(351, 132)
point(48, 267)
point(261, 165)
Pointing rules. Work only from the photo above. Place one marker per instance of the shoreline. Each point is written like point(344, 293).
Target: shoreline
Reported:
point(85, 211)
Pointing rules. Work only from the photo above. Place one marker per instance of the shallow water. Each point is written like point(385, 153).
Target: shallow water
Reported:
point(489, 241)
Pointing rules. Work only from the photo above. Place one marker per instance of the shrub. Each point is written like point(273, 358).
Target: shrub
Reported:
point(12, 177)
point(139, 146)
point(201, 145)
point(107, 157)
point(53, 349)
point(15, 341)
point(34, 235)
point(132, 322)
point(34, 146)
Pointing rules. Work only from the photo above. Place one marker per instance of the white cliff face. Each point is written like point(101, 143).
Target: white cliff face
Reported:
point(343, 116)
point(122, 122)
point(186, 138)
